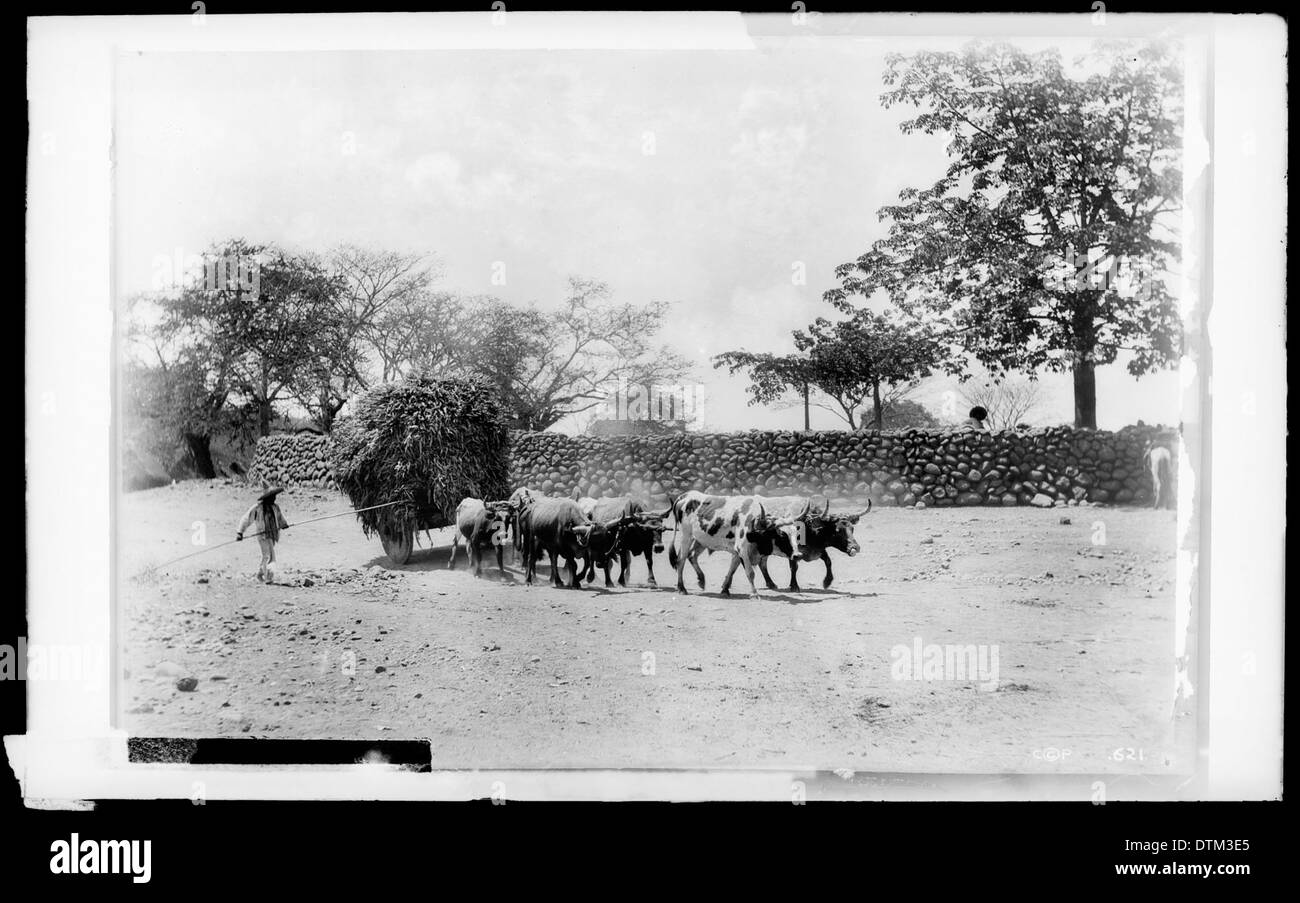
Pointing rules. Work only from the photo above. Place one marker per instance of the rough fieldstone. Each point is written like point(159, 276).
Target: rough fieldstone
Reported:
point(1059, 463)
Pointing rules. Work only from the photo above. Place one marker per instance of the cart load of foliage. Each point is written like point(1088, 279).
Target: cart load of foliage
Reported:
point(427, 442)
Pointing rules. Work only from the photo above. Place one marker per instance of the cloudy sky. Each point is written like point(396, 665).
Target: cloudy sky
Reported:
point(696, 178)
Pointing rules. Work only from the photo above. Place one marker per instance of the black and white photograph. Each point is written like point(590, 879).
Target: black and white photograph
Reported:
point(815, 406)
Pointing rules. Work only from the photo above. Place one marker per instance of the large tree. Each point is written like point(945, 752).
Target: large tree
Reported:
point(351, 347)
point(291, 330)
point(550, 365)
point(775, 379)
point(179, 385)
point(438, 333)
point(544, 364)
point(1058, 183)
point(387, 296)
point(255, 338)
point(867, 358)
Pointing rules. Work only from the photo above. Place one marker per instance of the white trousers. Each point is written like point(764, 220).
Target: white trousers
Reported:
point(266, 572)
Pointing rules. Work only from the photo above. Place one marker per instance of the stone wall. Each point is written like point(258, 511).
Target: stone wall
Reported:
point(293, 459)
point(929, 468)
point(924, 468)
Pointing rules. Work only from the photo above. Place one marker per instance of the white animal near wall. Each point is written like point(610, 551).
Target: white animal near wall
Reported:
point(1160, 462)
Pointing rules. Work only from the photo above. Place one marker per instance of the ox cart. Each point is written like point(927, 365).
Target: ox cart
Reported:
point(417, 448)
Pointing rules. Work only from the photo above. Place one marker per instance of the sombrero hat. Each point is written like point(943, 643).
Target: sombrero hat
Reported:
point(270, 494)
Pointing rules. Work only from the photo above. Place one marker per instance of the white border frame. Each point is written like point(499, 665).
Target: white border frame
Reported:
point(71, 752)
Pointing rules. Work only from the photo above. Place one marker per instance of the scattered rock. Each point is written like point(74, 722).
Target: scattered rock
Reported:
point(187, 684)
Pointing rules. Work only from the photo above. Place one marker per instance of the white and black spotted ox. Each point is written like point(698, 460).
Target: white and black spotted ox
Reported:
point(739, 525)
point(483, 525)
point(1159, 461)
point(820, 532)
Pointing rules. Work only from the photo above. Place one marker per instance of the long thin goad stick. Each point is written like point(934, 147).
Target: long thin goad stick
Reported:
point(154, 568)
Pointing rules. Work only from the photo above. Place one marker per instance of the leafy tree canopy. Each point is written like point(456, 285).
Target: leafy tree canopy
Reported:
point(1044, 243)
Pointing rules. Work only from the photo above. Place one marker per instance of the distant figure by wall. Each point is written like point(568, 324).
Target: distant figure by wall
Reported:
point(975, 420)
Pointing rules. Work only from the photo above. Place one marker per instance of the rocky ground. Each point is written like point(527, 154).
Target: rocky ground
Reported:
point(496, 674)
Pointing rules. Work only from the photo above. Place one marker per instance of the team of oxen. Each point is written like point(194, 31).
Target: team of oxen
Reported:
point(750, 528)
point(599, 532)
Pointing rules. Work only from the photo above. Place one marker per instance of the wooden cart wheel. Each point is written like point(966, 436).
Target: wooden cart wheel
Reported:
point(398, 548)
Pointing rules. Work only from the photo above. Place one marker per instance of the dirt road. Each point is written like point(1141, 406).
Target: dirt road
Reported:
point(496, 674)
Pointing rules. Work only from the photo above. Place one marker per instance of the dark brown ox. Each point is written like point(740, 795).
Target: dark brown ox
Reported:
point(629, 531)
point(558, 528)
point(819, 533)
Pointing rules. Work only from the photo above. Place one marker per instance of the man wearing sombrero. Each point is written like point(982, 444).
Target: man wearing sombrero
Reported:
point(267, 520)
